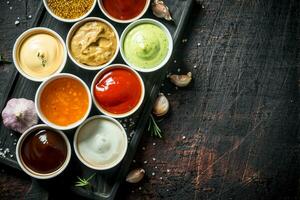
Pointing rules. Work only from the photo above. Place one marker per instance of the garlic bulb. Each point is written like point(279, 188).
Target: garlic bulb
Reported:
point(161, 105)
point(161, 10)
point(19, 114)
point(181, 80)
point(135, 175)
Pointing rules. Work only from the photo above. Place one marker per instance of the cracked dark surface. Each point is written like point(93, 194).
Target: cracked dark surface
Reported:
point(239, 117)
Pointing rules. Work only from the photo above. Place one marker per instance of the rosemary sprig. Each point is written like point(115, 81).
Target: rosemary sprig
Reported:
point(82, 182)
point(42, 58)
point(3, 61)
point(153, 128)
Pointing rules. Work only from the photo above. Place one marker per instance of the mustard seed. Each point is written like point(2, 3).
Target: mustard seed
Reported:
point(70, 9)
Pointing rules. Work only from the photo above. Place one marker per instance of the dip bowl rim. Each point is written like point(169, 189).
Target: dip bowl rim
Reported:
point(26, 34)
point(103, 71)
point(145, 21)
point(45, 2)
point(26, 168)
point(75, 27)
point(38, 95)
point(103, 10)
point(80, 157)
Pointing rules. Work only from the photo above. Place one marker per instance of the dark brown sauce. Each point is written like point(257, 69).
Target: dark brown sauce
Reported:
point(44, 151)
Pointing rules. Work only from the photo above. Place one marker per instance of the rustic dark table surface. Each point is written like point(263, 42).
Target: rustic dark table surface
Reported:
point(234, 132)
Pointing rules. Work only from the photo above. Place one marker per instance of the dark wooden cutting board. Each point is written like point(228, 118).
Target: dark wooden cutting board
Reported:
point(105, 183)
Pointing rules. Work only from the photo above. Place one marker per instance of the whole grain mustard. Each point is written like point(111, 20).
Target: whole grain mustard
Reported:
point(70, 9)
point(94, 43)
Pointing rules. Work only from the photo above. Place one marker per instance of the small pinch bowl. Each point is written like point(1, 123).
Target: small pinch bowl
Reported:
point(38, 96)
point(72, 31)
point(145, 21)
point(29, 33)
point(102, 8)
point(69, 20)
point(105, 70)
point(81, 158)
point(29, 171)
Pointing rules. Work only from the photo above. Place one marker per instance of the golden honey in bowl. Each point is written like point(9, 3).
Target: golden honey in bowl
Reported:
point(64, 101)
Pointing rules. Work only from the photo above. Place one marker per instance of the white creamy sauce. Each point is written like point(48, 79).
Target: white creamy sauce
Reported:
point(101, 142)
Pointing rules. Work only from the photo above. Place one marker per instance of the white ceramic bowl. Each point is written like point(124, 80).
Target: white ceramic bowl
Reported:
point(29, 171)
point(154, 22)
point(103, 71)
point(100, 3)
point(27, 34)
point(74, 29)
point(38, 95)
point(115, 162)
point(68, 20)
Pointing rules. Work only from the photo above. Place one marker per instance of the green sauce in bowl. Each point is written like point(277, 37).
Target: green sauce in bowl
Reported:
point(146, 46)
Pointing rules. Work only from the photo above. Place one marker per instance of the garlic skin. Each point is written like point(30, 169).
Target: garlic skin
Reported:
point(161, 105)
point(19, 114)
point(135, 175)
point(161, 10)
point(181, 80)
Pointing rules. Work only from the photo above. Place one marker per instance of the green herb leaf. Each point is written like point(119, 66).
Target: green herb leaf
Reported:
point(42, 58)
point(82, 182)
point(153, 128)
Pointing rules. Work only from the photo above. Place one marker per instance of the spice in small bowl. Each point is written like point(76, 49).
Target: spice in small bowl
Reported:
point(69, 10)
point(117, 91)
point(100, 142)
point(146, 45)
point(124, 11)
point(63, 101)
point(39, 53)
point(43, 152)
point(92, 43)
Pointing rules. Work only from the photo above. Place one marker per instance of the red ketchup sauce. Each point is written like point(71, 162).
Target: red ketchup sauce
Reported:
point(124, 9)
point(118, 91)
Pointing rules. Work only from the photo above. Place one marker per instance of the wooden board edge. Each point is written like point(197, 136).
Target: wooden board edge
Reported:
point(145, 112)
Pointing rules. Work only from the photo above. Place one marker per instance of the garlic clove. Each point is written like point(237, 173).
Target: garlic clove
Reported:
point(135, 175)
point(19, 114)
point(161, 105)
point(161, 10)
point(181, 80)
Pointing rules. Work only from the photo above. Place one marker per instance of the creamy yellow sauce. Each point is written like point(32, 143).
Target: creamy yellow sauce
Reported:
point(93, 44)
point(40, 55)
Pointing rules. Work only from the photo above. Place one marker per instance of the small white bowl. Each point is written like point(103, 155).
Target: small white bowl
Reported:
point(102, 8)
point(154, 22)
point(29, 33)
point(38, 95)
point(29, 171)
point(103, 71)
point(74, 29)
point(68, 20)
point(81, 157)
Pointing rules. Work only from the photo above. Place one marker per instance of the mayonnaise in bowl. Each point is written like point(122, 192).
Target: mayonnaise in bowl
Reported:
point(100, 142)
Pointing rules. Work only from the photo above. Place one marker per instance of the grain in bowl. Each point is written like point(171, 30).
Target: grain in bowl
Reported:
point(69, 10)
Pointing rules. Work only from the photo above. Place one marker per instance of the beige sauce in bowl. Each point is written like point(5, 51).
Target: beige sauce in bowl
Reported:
point(40, 55)
point(93, 44)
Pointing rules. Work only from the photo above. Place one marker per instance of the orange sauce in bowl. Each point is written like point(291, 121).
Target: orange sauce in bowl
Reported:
point(64, 101)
